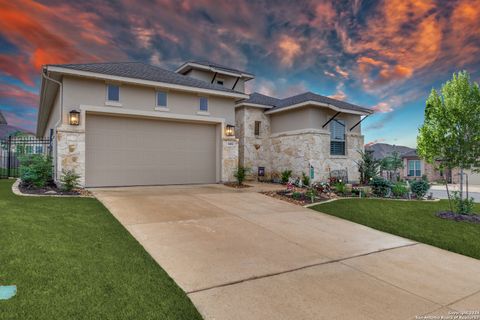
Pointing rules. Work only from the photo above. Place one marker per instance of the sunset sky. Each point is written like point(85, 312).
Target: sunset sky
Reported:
point(381, 54)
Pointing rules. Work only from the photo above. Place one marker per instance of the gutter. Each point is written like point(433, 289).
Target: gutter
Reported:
point(60, 120)
point(60, 85)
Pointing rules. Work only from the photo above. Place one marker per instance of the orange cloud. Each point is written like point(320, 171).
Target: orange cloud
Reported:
point(382, 107)
point(44, 35)
point(289, 50)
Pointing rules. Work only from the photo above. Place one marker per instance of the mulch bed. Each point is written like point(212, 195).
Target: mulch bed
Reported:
point(236, 185)
point(301, 202)
point(473, 218)
point(51, 190)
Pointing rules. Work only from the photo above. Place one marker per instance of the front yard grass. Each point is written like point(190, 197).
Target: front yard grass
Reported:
point(415, 220)
point(71, 259)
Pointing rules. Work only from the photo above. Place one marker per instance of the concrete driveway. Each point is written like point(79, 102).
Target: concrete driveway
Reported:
point(243, 255)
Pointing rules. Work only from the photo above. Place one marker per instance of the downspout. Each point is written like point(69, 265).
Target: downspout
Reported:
point(60, 120)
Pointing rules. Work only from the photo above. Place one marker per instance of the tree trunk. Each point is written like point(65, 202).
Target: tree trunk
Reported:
point(461, 183)
point(448, 195)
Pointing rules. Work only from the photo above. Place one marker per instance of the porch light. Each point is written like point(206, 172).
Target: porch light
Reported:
point(74, 118)
point(229, 130)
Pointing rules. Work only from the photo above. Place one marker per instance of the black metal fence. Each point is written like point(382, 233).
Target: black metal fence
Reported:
point(12, 148)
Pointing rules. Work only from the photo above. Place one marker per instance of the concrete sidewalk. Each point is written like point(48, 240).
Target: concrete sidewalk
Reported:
point(243, 255)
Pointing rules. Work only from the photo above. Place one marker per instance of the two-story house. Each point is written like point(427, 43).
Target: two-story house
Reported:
point(124, 124)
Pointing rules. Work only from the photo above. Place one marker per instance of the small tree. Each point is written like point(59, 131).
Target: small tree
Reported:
point(392, 163)
point(240, 174)
point(451, 130)
point(367, 166)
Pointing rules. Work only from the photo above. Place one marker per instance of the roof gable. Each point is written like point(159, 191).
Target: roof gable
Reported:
point(278, 104)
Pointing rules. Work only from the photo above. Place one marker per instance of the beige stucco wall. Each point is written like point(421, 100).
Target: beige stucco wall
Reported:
point(310, 118)
point(81, 91)
point(54, 115)
point(228, 81)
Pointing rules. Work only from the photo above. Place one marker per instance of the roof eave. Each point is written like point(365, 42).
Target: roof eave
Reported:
point(184, 68)
point(95, 75)
point(254, 105)
point(319, 104)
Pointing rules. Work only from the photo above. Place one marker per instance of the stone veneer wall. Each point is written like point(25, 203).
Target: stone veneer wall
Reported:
point(70, 154)
point(293, 150)
point(298, 150)
point(229, 158)
point(254, 150)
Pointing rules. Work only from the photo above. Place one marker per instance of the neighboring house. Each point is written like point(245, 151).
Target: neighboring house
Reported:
point(415, 168)
point(144, 125)
point(7, 130)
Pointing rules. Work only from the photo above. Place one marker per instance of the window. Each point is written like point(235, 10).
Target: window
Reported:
point(38, 149)
point(337, 138)
point(161, 99)
point(257, 127)
point(414, 168)
point(203, 104)
point(220, 82)
point(113, 92)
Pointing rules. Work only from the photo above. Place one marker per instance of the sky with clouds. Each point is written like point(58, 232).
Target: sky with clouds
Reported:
point(386, 55)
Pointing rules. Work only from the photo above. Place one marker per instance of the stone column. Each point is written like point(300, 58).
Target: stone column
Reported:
point(70, 152)
point(229, 158)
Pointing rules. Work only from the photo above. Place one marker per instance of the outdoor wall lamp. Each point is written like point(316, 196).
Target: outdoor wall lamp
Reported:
point(74, 118)
point(229, 130)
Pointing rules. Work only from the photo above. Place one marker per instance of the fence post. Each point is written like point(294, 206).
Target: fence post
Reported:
point(8, 155)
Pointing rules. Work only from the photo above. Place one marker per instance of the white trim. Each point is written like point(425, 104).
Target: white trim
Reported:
point(150, 114)
point(203, 113)
point(300, 132)
point(254, 105)
point(193, 65)
point(146, 82)
point(163, 109)
point(113, 103)
point(315, 103)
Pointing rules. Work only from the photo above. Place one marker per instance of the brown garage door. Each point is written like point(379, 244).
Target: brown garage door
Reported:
point(124, 151)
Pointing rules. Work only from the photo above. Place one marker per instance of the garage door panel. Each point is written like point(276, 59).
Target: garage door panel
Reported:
point(128, 151)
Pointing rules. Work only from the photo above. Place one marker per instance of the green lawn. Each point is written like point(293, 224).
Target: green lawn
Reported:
point(415, 220)
point(71, 259)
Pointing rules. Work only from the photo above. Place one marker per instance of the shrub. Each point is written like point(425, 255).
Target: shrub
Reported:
point(399, 189)
point(380, 186)
point(463, 206)
point(286, 174)
point(297, 195)
point(340, 187)
point(240, 174)
point(69, 180)
point(419, 188)
point(35, 170)
point(305, 179)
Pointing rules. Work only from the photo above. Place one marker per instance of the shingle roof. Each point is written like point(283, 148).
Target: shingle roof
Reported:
point(412, 153)
point(221, 67)
point(140, 70)
point(277, 104)
point(258, 98)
